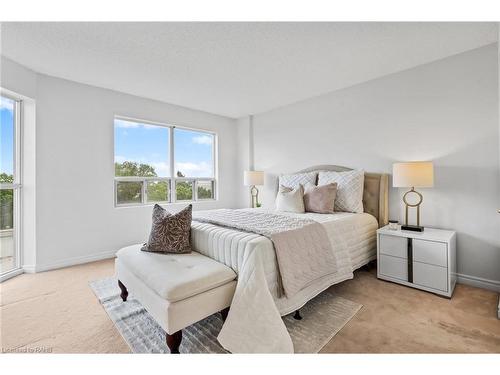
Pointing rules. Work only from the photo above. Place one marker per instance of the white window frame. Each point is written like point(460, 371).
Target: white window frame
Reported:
point(16, 186)
point(172, 179)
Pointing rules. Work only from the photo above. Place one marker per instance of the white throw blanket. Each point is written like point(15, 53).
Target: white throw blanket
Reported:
point(254, 324)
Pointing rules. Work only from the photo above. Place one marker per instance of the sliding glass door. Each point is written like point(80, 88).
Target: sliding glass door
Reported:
point(10, 187)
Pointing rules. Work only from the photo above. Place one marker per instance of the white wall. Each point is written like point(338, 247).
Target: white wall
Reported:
point(17, 78)
point(76, 217)
point(245, 160)
point(446, 111)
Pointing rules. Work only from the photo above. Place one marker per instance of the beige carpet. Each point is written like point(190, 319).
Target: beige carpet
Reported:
point(58, 310)
point(322, 318)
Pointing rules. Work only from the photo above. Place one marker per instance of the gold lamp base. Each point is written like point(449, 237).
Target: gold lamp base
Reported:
point(414, 228)
point(254, 193)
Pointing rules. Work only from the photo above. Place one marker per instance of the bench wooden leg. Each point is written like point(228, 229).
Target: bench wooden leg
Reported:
point(174, 341)
point(124, 293)
point(297, 315)
point(224, 313)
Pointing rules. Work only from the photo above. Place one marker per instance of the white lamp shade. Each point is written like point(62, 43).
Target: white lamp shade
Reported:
point(253, 178)
point(413, 174)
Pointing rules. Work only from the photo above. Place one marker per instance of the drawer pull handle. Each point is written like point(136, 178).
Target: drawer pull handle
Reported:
point(410, 260)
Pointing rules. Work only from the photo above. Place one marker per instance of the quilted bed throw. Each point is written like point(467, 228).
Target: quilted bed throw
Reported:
point(303, 250)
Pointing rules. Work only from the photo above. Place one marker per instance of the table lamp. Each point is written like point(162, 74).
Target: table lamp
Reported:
point(413, 174)
point(253, 178)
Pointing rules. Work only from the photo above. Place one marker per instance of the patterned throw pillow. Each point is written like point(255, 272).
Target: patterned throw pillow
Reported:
point(170, 233)
point(350, 185)
point(293, 181)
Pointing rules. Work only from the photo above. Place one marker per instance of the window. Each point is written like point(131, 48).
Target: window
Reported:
point(157, 163)
point(9, 186)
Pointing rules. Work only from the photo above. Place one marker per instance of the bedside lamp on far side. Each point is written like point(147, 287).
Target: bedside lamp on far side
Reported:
point(253, 178)
point(412, 175)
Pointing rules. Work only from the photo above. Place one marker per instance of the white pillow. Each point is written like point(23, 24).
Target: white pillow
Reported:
point(290, 200)
point(293, 181)
point(350, 185)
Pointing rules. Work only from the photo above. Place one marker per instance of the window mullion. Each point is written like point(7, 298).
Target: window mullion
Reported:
point(169, 187)
point(17, 142)
point(172, 166)
point(143, 191)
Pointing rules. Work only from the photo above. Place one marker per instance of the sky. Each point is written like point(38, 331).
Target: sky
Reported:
point(149, 144)
point(6, 135)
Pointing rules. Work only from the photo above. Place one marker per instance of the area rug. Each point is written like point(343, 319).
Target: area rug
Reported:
point(323, 317)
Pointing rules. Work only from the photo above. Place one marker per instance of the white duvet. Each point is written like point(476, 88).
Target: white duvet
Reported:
point(254, 322)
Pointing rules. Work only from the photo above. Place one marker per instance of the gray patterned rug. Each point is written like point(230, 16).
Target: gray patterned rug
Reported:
point(323, 317)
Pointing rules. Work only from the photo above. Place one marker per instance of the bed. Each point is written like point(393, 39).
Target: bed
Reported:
point(253, 258)
point(229, 246)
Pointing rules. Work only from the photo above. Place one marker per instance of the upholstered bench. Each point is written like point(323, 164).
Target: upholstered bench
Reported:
point(176, 289)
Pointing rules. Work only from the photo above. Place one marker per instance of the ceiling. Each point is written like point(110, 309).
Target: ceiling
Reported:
point(233, 69)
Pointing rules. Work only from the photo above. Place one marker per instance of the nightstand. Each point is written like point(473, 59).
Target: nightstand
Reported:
point(424, 260)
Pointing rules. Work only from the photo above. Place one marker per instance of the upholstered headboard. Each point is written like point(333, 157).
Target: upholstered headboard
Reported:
point(375, 194)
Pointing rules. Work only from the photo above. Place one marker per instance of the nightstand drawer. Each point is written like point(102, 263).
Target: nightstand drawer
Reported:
point(430, 252)
point(393, 245)
point(425, 260)
point(393, 267)
point(431, 276)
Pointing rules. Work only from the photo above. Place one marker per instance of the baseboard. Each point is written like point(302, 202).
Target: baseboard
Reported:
point(29, 268)
point(10, 274)
point(479, 282)
point(461, 278)
point(69, 262)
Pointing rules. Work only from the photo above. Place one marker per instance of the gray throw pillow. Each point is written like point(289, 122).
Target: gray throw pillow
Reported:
point(320, 199)
point(170, 233)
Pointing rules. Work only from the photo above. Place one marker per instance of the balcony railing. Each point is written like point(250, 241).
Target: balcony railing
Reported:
point(131, 191)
